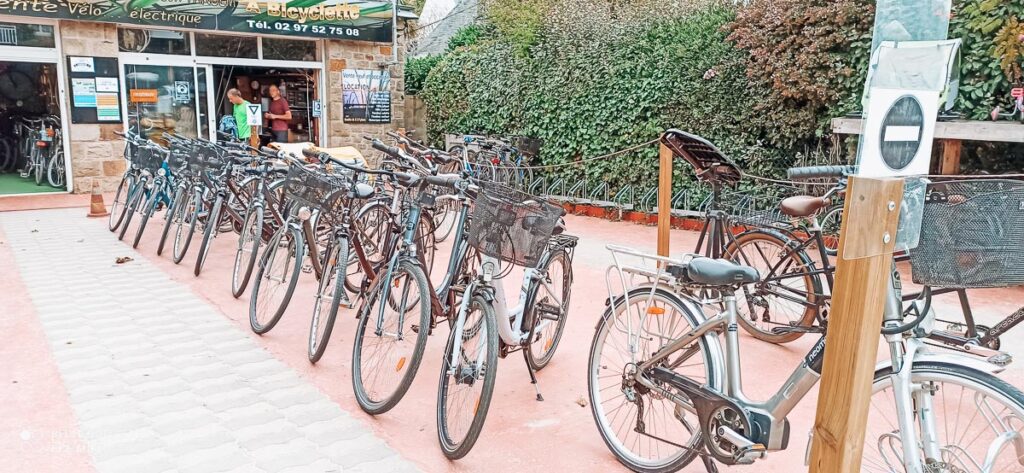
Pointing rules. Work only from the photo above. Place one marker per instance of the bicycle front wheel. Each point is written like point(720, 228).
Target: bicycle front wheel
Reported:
point(390, 339)
point(146, 213)
point(467, 380)
point(276, 278)
point(185, 225)
point(212, 222)
point(966, 421)
point(119, 205)
point(136, 199)
point(548, 311)
point(329, 298)
point(55, 171)
point(248, 246)
point(173, 210)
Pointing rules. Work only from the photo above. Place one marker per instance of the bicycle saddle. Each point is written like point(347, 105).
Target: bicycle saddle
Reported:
point(363, 191)
point(718, 272)
point(802, 205)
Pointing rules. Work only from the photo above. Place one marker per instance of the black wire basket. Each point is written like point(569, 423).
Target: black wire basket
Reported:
point(149, 158)
point(972, 235)
point(205, 157)
point(511, 225)
point(180, 156)
point(313, 188)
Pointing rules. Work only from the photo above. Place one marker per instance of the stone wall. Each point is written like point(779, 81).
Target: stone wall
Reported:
point(359, 55)
point(96, 152)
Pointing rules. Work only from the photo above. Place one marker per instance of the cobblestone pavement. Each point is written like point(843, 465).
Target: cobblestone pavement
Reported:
point(160, 381)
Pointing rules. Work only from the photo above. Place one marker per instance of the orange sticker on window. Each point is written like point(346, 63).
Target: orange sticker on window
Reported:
point(142, 95)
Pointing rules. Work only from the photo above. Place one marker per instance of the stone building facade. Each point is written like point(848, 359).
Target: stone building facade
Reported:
point(96, 151)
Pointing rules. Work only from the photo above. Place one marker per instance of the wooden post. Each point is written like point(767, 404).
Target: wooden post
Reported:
point(950, 157)
point(853, 327)
point(664, 198)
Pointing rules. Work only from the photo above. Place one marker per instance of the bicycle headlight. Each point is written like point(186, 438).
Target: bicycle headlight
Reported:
point(305, 213)
point(162, 172)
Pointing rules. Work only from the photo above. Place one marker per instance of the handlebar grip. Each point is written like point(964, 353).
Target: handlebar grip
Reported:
point(389, 150)
point(817, 172)
point(444, 180)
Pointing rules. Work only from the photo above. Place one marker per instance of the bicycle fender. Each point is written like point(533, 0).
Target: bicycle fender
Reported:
point(948, 359)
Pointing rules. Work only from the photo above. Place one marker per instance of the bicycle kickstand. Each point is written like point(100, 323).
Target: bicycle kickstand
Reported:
point(533, 376)
point(709, 463)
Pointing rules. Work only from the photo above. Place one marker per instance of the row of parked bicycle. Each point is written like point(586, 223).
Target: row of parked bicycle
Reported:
point(33, 149)
point(368, 236)
point(664, 378)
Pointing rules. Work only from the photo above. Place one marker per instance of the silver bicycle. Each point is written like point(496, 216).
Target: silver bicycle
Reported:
point(665, 391)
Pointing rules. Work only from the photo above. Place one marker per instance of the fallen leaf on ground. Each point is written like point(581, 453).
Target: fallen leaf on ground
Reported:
point(123, 259)
point(581, 401)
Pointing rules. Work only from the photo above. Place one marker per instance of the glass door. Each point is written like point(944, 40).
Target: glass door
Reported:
point(166, 99)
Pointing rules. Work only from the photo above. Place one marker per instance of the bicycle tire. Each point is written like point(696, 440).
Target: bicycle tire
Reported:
point(147, 212)
point(831, 222)
point(252, 228)
point(172, 210)
point(373, 242)
point(293, 261)
point(132, 207)
point(411, 363)
point(452, 448)
point(209, 233)
point(124, 189)
point(55, 174)
point(38, 163)
point(189, 219)
point(756, 296)
point(950, 375)
point(539, 296)
point(598, 368)
point(320, 334)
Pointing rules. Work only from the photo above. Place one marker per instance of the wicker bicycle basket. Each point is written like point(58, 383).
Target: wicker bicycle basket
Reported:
point(312, 188)
point(511, 225)
point(149, 158)
point(972, 235)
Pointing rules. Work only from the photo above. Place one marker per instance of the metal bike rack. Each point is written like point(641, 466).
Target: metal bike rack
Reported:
point(556, 191)
point(682, 205)
point(623, 199)
point(538, 186)
point(648, 200)
point(578, 193)
point(601, 195)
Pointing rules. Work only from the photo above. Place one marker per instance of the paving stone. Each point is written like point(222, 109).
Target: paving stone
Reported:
point(161, 381)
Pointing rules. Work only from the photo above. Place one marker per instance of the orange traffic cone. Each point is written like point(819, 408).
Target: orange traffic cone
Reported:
point(96, 207)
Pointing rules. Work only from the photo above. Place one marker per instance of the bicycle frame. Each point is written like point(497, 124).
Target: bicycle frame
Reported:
point(772, 412)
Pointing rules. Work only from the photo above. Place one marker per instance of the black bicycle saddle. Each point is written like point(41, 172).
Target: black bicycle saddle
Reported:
point(715, 272)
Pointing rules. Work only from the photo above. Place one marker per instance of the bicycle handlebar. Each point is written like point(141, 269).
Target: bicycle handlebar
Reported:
point(817, 172)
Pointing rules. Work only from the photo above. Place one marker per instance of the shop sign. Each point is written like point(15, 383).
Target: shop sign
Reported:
point(254, 114)
point(318, 109)
point(332, 19)
point(367, 96)
point(143, 95)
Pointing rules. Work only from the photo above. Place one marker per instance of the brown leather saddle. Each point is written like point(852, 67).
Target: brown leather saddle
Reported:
point(802, 205)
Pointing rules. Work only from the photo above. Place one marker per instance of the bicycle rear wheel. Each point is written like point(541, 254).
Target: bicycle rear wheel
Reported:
point(137, 198)
point(787, 295)
point(329, 298)
point(546, 318)
point(147, 212)
point(967, 420)
point(275, 281)
point(248, 247)
point(390, 338)
point(830, 224)
point(653, 317)
point(55, 175)
point(467, 380)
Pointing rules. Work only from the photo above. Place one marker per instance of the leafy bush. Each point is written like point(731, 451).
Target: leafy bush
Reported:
point(416, 70)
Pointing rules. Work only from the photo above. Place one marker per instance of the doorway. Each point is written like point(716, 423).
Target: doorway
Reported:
point(32, 155)
point(297, 87)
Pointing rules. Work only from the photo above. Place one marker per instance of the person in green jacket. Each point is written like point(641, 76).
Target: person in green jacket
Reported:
point(241, 113)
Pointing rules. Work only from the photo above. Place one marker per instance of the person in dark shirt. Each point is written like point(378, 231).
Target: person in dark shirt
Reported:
point(279, 115)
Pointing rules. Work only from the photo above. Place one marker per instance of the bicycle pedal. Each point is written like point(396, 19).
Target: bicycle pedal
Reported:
point(1002, 359)
point(750, 454)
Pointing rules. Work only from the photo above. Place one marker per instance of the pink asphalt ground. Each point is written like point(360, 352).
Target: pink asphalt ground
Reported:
point(520, 434)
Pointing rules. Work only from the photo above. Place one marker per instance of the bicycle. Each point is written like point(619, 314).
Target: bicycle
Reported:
point(516, 228)
point(663, 391)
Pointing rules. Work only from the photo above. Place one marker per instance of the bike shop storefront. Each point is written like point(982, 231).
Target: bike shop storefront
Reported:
point(177, 81)
point(33, 158)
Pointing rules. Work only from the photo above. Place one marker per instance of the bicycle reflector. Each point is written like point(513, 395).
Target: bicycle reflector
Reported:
point(1017, 92)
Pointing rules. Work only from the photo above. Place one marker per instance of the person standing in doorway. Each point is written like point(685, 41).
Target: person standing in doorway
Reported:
point(242, 129)
point(280, 114)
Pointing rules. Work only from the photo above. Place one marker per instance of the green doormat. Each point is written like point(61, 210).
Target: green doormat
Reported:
point(15, 184)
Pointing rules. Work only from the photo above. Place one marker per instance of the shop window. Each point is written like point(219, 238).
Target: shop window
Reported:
point(33, 36)
point(136, 40)
point(226, 46)
point(289, 49)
